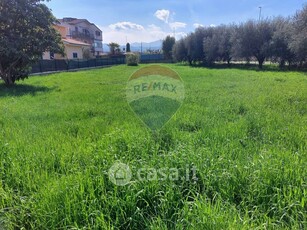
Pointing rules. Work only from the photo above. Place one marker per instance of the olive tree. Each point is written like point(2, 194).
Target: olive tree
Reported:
point(179, 51)
point(252, 39)
point(298, 42)
point(167, 46)
point(280, 44)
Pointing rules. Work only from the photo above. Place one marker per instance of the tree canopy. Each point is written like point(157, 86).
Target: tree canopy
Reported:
point(179, 51)
point(26, 32)
point(298, 43)
point(114, 48)
point(254, 39)
point(128, 49)
point(167, 46)
point(281, 40)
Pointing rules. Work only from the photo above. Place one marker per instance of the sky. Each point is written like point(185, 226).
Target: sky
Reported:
point(150, 20)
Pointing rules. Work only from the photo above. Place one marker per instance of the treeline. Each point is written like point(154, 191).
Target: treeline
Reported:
point(280, 40)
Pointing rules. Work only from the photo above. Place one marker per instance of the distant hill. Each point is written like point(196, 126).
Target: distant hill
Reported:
point(137, 46)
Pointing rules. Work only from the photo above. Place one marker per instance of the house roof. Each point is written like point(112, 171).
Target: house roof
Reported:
point(74, 42)
point(75, 21)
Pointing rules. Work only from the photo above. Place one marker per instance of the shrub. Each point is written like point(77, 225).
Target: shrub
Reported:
point(86, 54)
point(132, 59)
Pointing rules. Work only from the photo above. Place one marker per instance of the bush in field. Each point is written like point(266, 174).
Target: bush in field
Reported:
point(132, 59)
point(86, 54)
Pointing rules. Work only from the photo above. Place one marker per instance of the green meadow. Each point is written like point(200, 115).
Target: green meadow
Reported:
point(243, 130)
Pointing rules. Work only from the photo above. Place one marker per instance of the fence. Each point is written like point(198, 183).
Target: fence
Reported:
point(152, 58)
point(61, 65)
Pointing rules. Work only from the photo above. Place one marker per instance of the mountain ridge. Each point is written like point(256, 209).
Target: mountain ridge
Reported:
point(138, 46)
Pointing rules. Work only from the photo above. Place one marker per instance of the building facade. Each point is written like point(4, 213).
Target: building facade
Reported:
point(81, 39)
point(84, 31)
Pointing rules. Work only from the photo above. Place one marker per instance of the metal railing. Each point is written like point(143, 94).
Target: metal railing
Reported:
point(63, 65)
point(54, 65)
point(81, 35)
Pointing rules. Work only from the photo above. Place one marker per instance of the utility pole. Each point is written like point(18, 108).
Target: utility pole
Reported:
point(260, 13)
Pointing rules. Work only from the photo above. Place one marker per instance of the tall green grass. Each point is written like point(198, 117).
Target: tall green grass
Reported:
point(243, 130)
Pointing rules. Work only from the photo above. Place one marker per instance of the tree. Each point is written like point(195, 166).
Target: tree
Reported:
point(167, 46)
point(197, 40)
point(280, 43)
point(194, 45)
point(211, 47)
point(114, 47)
point(190, 47)
point(253, 39)
point(217, 44)
point(26, 31)
point(179, 51)
point(281, 39)
point(298, 43)
point(225, 44)
point(128, 50)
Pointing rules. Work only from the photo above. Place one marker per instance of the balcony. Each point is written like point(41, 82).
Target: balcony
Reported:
point(97, 46)
point(98, 49)
point(83, 36)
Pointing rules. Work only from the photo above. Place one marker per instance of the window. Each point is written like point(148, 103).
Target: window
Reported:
point(85, 31)
point(97, 44)
point(98, 33)
point(76, 29)
point(75, 55)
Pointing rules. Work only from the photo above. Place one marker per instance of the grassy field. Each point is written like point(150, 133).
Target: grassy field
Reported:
point(243, 130)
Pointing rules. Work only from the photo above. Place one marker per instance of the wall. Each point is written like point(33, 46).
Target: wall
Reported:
point(70, 49)
point(62, 30)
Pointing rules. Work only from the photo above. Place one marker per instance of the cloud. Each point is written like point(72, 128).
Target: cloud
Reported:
point(196, 25)
point(176, 25)
point(121, 32)
point(153, 27)
point(180, 35)
point(126, 26)
point(163, 15)
point(148, 34)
